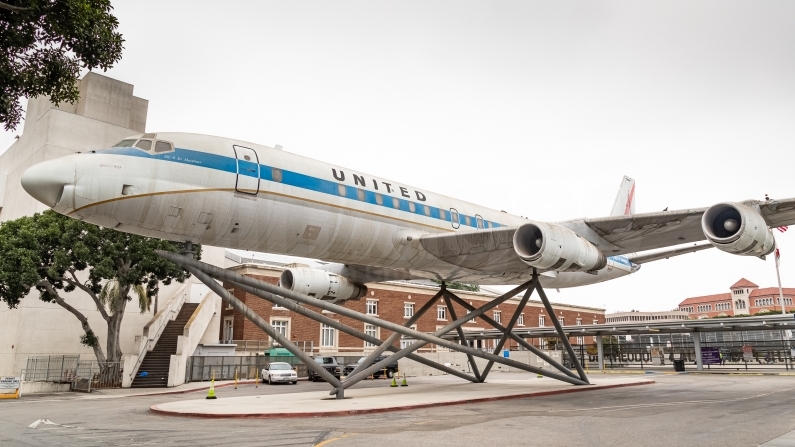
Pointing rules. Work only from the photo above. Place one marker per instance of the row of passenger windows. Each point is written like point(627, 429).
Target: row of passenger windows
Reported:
point(452, 215)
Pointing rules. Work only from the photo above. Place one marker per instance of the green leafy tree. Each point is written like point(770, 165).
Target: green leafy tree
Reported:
point(460, 286)
point(46, 251)
point(45, 43)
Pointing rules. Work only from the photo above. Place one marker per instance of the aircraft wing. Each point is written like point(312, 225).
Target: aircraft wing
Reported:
point(489, 250)
point(639, 232)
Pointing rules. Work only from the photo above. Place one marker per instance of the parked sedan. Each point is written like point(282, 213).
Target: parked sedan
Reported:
point(279, 372)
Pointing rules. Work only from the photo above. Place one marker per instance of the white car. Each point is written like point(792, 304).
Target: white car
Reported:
point(279, 372)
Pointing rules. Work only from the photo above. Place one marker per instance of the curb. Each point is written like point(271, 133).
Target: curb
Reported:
point(154, 409)
point(193, 390)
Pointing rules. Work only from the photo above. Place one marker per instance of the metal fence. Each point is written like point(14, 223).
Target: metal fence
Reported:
point(204, 368)
point(92, 375)
point(51, 368)
point(263, 345)
point(731, 354)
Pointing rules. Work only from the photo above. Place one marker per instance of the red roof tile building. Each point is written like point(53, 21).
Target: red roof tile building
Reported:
point(743, 298)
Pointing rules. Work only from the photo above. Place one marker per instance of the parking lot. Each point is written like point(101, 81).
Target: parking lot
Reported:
point(686, 409)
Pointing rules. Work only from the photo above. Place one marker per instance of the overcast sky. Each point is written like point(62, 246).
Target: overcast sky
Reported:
point(537, 108)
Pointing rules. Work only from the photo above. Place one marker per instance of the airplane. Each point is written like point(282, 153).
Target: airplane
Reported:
point(223, 192)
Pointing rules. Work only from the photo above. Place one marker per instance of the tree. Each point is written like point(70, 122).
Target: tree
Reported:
point(46, 251)
point(45, 43)
point(460, 286)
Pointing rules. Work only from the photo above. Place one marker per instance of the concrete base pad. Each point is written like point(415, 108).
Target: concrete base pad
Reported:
point(422, 392)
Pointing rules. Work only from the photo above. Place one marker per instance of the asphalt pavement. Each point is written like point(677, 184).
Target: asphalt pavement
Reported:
point(702, 410)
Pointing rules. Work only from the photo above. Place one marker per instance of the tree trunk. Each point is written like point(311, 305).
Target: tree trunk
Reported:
point(114, 329)
point(82, 318)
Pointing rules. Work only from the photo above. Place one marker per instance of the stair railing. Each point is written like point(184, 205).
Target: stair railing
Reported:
point(159, 321)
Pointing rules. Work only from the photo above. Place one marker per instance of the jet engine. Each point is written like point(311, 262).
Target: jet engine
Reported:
point(553, 247)
point(321, 284)
point(737, 229)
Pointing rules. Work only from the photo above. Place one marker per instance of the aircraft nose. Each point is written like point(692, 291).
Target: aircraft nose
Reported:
point(45, 181)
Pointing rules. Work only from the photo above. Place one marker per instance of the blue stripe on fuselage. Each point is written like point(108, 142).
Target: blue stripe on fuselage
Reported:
point(298, 180)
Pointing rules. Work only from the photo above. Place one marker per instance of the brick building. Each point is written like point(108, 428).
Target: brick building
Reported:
point(743, 298)
point(392, 301)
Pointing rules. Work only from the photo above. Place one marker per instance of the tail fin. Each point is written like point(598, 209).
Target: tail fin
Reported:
point(625, 200)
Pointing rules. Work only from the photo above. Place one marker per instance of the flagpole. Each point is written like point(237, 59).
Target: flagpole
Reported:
point(780, 290)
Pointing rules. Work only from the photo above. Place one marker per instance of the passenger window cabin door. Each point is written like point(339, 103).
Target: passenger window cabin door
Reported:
point(454, 219)
point(247, 171)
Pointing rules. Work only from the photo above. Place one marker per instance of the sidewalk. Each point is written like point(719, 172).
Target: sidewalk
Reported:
point(688, 370)
point(429, 392)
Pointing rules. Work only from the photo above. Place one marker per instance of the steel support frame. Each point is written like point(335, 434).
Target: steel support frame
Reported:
point(554, 363)
point(395, 336)
point(461, 334)
point(508, 329)
point(297, 302)
point(265, 326)
point(563, 336)
point(419, 344)
point(302, 310)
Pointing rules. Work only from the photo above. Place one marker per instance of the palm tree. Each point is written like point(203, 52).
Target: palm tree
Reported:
point(111, 296)
point(111, 292)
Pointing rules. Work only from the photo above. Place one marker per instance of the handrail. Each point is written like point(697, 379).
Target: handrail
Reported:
point(183, 295)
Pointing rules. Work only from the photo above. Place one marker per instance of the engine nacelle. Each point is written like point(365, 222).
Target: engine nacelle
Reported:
point(553, 247)
point(321, 284)
point(737, 229)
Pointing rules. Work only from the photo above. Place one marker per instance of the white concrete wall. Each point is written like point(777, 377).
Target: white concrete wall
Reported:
point(458, 360)
point(43, 388)
point(106, 113)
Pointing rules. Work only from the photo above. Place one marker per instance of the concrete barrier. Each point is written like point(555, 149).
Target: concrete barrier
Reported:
point(43, 388)
point(459, 361)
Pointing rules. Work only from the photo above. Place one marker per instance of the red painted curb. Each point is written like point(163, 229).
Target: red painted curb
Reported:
point(156, 410)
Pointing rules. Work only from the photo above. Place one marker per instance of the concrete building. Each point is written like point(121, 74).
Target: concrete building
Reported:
point(743, 298)
point(106, 112)
point(393, 301)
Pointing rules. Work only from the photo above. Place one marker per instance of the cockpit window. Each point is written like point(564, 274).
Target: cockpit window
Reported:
point(162, 146)
point(125, 143)
point(144, 144)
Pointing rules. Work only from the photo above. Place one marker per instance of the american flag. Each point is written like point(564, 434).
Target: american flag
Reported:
point(782, 229)
point(778, 258)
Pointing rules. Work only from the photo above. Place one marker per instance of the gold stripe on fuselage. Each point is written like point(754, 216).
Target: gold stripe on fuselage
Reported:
point(261, 192)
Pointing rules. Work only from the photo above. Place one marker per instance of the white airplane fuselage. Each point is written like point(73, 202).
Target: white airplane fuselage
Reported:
point(222, 192)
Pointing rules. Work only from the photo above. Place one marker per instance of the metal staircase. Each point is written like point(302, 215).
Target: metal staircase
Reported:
point(153, 372)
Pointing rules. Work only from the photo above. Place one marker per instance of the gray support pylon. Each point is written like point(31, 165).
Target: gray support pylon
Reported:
point(461, 335)
point(517, 338)
point(223, 274)
point(563, 337)
point(302, 310)
point(262, 324)
point(394, 337)
point(600, 353)
point(697, 348)
point(508, 329)
point(419, 344)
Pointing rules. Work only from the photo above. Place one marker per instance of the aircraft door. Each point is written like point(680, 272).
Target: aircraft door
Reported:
point(247, 171)
point(454, 218)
